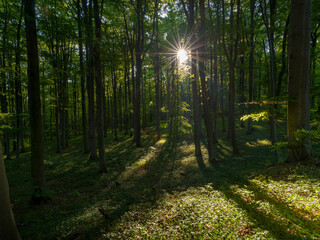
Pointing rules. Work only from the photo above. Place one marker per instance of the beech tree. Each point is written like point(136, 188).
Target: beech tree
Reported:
point(299, 78)
point(37, 150)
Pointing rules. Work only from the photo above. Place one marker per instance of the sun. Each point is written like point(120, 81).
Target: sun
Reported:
point(182, 55)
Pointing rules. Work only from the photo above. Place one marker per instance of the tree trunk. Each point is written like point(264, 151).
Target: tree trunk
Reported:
point(232, 55)
point(99, 88)
point(222, 96)
point(3, 85)
point(8, 228)
point(251, 62)
point(18, 91)
point(115, 112)
point(299, 78)
point(208, 114)
point(90, 80)
point(83, 94)
point(272, 119)
point(137, 90)
point(126, 83)
point(283, 57)
point(272, 90)
point(157, 70)
point(37, 150)
point(195, 97)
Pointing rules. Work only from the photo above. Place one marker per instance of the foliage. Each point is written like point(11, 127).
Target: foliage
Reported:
point(262, 116)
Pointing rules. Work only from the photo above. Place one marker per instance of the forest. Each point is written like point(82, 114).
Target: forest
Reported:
point(159, 119)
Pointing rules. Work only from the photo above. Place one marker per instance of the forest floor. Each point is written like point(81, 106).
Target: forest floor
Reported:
point(162, 191)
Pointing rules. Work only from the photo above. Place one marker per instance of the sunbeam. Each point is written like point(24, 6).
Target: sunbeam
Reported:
point(182, 56)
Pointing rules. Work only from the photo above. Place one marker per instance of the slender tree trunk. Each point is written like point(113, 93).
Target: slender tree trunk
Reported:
point(126, 86)
point(221, 71)
point(272, 90)
point(74, 95)
point(232, 55)
point(90, 79)
point(196, 103)
point(144, 118)
point(120, 107)
point(37, 149)
point(99, 88)
point(272, 119)
point(18, 91)
point(105, 126)
point(57, 103)
point(251, 62)
point(137, 90)
point(299, 78)
point(283, 57)
point(82, 77)
point(4, 102)
point(208, 114)
point(222, 95)
point(115, 111)
point(157, 70)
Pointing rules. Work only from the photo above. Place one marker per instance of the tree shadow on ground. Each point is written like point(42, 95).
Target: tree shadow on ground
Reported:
point(72, 180)
point(143, 176)
point(280, 229)
point(166, 172)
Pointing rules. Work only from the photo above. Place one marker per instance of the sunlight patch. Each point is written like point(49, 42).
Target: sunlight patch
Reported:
point(259, 142)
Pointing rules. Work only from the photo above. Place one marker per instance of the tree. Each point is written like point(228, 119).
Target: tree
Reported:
point(139, 48)
point(8, 228)
point(18, 92)
point(269, 23)
point(37, 150)
point(232, 54)
point(82, 74)
point(299, 78)
point(90, 80)
point(208, 114)
point(99, 87)
point(251, 61)
point(157, 72)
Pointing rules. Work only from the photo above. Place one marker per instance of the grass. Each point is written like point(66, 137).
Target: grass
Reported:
point(162, 191)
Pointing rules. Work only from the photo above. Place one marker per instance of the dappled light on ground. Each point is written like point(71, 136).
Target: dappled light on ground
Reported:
point(163, 191)
point(259, 142)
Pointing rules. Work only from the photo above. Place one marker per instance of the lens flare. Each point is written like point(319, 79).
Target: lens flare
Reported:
point(182, 56)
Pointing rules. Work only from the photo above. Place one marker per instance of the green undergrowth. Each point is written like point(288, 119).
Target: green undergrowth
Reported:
point(162, 191)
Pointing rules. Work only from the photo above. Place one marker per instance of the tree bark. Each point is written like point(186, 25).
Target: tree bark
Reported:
point(207, 108)
point(157, 70)
point(298, 116)
point(37, 149)
point(283, 58)
point(137, 90)
point(115, 111)
point(82, 77)
point(99, 88)
point(251, 62)
point(18, 92)
point(195, 97)
point(232, 55)
point(90, 80)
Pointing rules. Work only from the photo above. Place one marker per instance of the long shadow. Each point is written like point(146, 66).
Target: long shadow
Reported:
point(71, 178)
point(147, 184)
point(278, 229)
point(145, 187)
point(223, 178)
